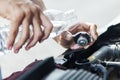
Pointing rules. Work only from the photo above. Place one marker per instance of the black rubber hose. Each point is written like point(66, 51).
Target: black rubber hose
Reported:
point(110, 63)
point(100, 68)
point(105, 52)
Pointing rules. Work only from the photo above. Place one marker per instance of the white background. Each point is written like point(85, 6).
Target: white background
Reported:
point(100, 12)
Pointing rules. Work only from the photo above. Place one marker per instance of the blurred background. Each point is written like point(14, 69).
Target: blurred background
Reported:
point(100, 12)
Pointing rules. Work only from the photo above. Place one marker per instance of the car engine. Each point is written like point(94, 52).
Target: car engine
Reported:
point(101, 61)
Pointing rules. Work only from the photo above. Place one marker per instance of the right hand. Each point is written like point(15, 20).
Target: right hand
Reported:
point(25, 13)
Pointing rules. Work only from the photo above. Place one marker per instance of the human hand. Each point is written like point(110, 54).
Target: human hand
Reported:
point(40, 3)
point(66, 39)
point(25, 13)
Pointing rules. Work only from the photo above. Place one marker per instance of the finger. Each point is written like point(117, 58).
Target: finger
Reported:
point(15, 23)
point(93, 31)
point(37, 34)
point(74, 28)
point(78, 27)
point(37, 31)
point(47, 26)
point(25, 29)
point(23, 38)
point(85, 47)
point(75, 46)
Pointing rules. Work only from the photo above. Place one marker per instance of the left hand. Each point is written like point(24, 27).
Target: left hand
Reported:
point(90, 28)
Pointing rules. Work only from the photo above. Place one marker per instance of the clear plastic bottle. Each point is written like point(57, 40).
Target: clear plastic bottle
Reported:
point(61, 20)
point(4, 33)
point(4, 29)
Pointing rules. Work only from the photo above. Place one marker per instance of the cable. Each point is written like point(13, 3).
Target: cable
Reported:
point(100, 68)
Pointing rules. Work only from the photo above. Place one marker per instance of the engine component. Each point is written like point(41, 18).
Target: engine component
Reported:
point(101, 61)
point(82, 38)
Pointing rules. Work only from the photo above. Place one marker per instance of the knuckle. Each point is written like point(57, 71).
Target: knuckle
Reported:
point(19, 14)
point(34, 9)
point(28, 11)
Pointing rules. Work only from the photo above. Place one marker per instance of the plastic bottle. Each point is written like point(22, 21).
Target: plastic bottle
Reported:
point(4, 33)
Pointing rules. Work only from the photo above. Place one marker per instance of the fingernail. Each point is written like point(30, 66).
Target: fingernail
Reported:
point(9, 47)
point(16, 51)
point(27, 48)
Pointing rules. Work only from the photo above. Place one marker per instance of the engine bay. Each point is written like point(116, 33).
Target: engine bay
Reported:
point(101, 61)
